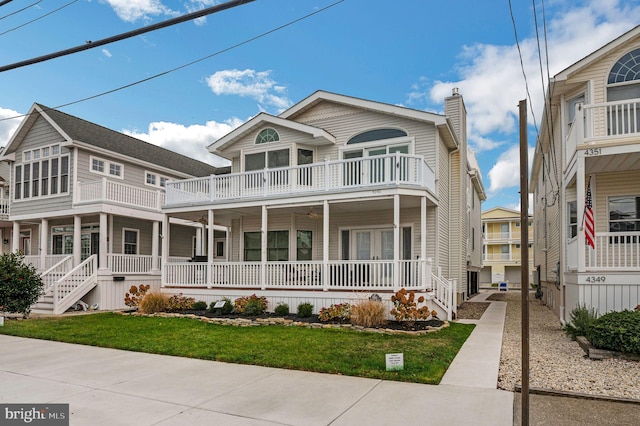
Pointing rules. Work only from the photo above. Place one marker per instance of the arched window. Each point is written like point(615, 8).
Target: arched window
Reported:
point(622, 76)
point(267, 135)
point(626, 69)
point(376, 135)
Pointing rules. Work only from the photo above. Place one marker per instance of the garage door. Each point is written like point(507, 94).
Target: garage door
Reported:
point(512, 274)
point(485, 275)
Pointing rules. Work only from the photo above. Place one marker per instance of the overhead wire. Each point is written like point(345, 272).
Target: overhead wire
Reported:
point(153, 27)
point(20, 10)
point(242, 43)
point(38, 18)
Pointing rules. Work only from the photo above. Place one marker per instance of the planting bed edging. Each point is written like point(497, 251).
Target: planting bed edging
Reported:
point(246, 322)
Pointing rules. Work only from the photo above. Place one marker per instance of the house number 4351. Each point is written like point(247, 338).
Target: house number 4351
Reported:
point(591, 152)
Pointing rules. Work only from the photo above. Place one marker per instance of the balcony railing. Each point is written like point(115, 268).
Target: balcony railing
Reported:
point(392, 169)
point(108, 191)
point(501, 257)
point(4, 208)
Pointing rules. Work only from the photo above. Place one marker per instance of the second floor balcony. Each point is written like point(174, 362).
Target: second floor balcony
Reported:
point(328, 176)
point(4, 208)
point(603, 122)
point(109, 191)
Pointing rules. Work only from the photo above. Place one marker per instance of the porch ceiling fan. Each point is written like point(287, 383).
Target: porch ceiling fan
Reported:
point(310, 214)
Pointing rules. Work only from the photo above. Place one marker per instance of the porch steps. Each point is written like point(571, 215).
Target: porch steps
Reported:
point(44, 305)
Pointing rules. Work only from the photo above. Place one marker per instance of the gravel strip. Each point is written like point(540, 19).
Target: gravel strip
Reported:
point(471, 310)
point(555, 361)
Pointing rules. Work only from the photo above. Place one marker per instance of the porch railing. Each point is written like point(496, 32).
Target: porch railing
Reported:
point(130, 263)
point(106, 190)
point(74, 284)
point(53, 274)
point(615, 251)
point(392, 169)
point(49, 261)
point(342, 275)
point(4, 208)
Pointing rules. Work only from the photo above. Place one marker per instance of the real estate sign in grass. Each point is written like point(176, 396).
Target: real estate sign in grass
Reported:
point(337, 351)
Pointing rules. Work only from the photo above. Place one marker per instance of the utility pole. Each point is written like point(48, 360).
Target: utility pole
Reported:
point(524, 259)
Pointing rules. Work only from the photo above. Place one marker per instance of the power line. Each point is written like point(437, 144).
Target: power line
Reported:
point(20, 10)
point(93, 44)
point(2, 3)
point(37, 19)
point(189, 63)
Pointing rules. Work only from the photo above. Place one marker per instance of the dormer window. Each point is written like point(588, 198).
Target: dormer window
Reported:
point(267, 135)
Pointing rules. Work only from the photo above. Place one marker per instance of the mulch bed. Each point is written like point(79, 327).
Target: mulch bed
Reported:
point(313, 319)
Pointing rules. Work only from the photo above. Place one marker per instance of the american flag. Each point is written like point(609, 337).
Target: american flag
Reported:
point(589, 225)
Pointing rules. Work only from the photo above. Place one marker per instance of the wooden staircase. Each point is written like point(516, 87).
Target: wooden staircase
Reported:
point(64, 285)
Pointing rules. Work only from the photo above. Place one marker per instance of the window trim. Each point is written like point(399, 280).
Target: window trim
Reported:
point(107, 167)
point(61, 180)
point(637, 219)
point(158, 177)
point(266, 129)
point(259, 149)
point(124, 242)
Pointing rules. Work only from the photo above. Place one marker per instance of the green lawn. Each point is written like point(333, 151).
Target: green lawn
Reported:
point(339, 351)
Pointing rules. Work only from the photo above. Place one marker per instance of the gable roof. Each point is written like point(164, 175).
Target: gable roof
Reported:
point(77, 131)
point(322, 136)
point(624, 38)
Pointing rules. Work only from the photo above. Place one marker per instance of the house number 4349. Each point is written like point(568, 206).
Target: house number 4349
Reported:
point(594, 279)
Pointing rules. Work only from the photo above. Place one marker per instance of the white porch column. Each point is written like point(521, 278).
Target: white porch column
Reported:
point(210, 236)
point(155, 236)
point(15, 244)
point(423, 240)
point(263, 249)
point(210, 248)
point(102, 253)
point(165, 246)
point(580, 204)
point(44, 231)
point(325, 245)
point(77, 240)
point(396, 242)
point(199, 241)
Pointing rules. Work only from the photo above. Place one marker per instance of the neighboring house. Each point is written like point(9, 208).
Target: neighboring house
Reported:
point(85, 207)
point(588, 152)
point(501, 251)
point(335, 199)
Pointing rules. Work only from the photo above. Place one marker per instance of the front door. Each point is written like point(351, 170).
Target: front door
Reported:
point(373, 244)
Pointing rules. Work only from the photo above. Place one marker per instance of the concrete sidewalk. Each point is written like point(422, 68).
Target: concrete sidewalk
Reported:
point(113, 387)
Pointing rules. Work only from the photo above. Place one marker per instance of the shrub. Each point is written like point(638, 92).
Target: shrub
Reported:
point(20, 284)
point(153, 302)
point(369, 313)
point(224, 310)
point(200, 305)
point(616, 331)
point(406, 307)
point(336, 312)
point(135, 294)
point(178, 302)
point(282, 309)
point(581, 319)
point(305, 310)
point(253, 302)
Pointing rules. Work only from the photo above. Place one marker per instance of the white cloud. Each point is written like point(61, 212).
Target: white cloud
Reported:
point(491, 77)
point(8, 127)
point(188, 140)
point(506, 171)
point(257, 85)
point(134, 10)
point(106, 53)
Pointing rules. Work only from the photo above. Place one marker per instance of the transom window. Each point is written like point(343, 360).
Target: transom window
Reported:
point(106, 167)
point(626, 69)
point(376, 135)
point(267, 135)
point(43, 172)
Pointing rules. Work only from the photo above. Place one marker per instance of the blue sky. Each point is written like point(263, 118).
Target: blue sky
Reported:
point(406, 52)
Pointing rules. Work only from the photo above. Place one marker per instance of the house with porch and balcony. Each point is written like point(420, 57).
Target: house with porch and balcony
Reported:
point(586, 182)
point(84, 207)
point(335, 199)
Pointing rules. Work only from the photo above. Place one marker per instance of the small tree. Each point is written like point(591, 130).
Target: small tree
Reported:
point(20, 284)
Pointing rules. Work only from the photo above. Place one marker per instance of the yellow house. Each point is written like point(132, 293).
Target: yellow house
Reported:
point(501, 246)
